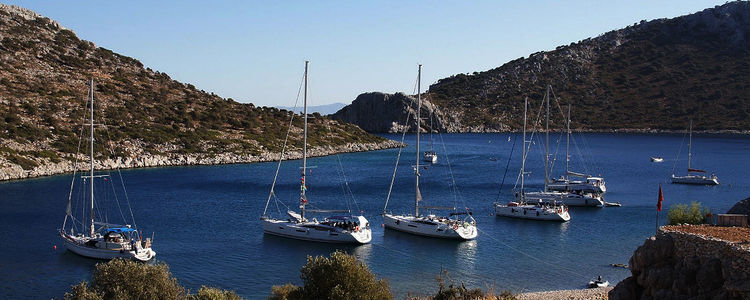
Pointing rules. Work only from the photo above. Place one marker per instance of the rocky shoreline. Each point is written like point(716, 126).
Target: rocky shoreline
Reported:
point(9, 171)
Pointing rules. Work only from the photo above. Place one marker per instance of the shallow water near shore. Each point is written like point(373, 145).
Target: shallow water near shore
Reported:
point(206, 223)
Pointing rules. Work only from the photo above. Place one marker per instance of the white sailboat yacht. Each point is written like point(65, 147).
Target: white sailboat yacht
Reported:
point(342, 228)
point(108, 241)
point(530, 205)
point(589, 184)
point(457, 225)
point(696, 179)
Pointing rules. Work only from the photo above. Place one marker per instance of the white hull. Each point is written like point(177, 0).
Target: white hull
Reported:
point(695, 179)
point(569, 199)
point(78, 246)
point(533, 212)
point(314, 231)
point(431, 227)
point(591, 185)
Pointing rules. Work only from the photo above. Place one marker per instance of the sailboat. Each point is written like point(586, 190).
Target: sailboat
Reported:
point(108, 241)
point(457, 225)
point(590, 185)
point(696, 179)
point(430, 156)
point(538, 208)
point(342, 228)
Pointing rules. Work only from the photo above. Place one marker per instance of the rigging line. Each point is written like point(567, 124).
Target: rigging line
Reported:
point(531, 256)
point(507, 164)
point(342, 173)
point(114, 193)
point(398, 158)
point(68, 211)
point(283, 148)
point(456, 191)
point(679, 151)
point(122, 182)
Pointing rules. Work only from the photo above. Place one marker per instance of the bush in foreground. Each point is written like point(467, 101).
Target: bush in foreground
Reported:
point(124, 279)
point(687, 214)
point(339, 277)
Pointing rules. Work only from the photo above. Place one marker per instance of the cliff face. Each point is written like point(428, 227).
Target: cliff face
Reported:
point(680, 265)
point(380, 112)
point(651, 75)
point(148, 117)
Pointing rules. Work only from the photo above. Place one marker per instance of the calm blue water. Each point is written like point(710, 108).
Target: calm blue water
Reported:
point(206, 218)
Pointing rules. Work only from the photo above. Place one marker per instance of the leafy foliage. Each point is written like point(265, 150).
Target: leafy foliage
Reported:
point(125, 279)
point(339, 276)
point(687, 214)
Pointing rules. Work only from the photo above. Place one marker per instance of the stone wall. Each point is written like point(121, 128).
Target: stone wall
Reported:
point(13, 171)
point(676, 265)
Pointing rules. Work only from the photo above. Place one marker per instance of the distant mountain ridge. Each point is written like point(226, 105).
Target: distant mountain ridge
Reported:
point(151, 119)
point(654, 75)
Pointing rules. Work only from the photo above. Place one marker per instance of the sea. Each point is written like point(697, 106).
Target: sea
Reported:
point(205, 220)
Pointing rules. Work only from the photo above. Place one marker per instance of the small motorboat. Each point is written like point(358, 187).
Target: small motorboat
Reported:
point(598, 283)
point(657, 159)
point(616, 204)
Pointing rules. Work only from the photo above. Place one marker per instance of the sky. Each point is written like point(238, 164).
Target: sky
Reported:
point(254, 51)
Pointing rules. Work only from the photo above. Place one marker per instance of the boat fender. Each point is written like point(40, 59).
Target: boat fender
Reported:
point(566, 208)
point(537, 214)
point(559, 210)
point(455, 226)
point(356, 229)
point(398, 222)
point(524, 211)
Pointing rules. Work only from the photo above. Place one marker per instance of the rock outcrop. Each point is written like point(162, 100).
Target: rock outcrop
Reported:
point(741, 208)
point(680, 265)
point(381, 112)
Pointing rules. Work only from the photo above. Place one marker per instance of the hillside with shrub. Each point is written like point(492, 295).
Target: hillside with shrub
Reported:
point(44, 75)
point(653, 75)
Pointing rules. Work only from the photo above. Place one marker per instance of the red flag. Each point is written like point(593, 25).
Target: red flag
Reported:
point(661, 199)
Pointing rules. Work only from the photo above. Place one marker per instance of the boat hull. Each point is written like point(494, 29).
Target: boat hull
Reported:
point(78, 246)
point(533, 212)
point(430, 228)
point(695, 179)
point(311, 231)
point(569, 199)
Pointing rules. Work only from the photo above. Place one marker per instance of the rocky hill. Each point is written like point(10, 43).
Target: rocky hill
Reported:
point(651, 75)
point(150, 119)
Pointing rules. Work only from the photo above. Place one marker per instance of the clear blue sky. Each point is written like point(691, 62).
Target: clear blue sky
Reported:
point(254, 51)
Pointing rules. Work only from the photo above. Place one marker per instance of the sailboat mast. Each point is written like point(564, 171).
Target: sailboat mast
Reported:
point(416, 170)
point(91, 160)
point(546, 144)
point(690, 144)
point(567, 147)
point(523, 151)
point(304, 149)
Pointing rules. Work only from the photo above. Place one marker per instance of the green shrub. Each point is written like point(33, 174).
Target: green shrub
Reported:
point(82, 291)
point(687, 214)
point(460, 292)
point(125, 279)
point(339, 277)
point(25, 163)
point(209, 293)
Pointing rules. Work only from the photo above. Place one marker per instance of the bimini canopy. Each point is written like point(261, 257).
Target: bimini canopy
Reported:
point(119, 230)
